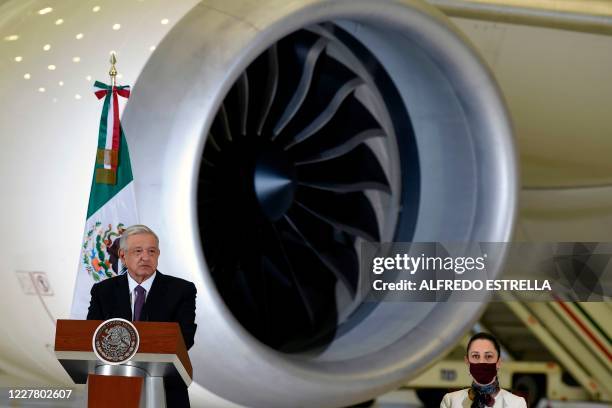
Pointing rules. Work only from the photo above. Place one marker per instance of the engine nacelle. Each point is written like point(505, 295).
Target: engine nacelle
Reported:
point(269, 139)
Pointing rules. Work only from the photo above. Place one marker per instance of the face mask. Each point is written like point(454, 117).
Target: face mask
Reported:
point(483, 373)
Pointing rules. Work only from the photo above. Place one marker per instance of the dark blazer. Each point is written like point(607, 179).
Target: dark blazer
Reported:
point(170, 299)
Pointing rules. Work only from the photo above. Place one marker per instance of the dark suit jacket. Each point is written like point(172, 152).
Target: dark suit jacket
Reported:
point(169, 300)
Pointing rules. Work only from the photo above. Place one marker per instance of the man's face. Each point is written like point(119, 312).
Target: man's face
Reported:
point(141, 256)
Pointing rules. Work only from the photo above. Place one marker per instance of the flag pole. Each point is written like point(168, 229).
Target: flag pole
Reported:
point(113, 70)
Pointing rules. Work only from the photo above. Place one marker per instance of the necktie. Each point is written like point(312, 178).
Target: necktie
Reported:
point(139, 303)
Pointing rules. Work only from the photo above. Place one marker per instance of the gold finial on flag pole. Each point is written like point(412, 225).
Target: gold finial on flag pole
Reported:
point(113, 70)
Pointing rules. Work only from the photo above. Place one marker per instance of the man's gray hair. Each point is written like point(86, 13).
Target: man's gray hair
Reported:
point(133, 230)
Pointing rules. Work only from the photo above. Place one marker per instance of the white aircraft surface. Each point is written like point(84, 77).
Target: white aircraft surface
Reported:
point(490, 127)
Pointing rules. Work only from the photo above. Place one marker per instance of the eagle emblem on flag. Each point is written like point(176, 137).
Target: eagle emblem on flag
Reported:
point(100, 250)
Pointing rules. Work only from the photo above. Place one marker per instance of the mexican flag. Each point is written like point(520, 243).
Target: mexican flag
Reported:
point(112, 203)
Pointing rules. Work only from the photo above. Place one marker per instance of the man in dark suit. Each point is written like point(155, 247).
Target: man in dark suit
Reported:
point(144, 293)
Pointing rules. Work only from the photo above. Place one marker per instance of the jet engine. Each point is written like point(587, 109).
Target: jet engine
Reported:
point(269, 140)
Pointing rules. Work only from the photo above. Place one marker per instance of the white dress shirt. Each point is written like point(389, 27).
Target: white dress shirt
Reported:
point(146, 284)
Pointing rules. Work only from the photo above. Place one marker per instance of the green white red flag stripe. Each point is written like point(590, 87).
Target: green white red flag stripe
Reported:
point(112, 205)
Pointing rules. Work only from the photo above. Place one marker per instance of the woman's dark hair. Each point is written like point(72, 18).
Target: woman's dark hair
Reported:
point(484, 336)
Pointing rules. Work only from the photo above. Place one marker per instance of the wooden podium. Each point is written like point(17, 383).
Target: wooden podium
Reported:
point(136, 383)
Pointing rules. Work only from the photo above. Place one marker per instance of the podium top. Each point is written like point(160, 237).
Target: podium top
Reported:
point(161, 351)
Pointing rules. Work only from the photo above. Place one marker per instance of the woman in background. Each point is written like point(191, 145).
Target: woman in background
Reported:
point(483, 360)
